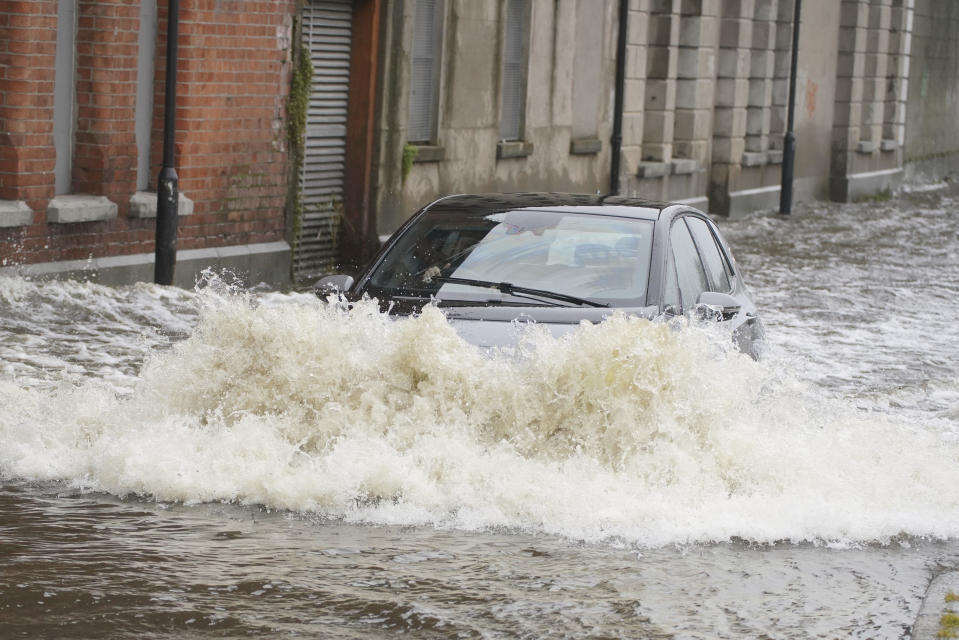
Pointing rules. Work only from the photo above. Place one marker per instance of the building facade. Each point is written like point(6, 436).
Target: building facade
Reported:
point(81, 125)
point(408, 100)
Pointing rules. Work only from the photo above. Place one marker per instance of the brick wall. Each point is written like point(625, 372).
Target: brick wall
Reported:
point(233, 82)
point(27, 48)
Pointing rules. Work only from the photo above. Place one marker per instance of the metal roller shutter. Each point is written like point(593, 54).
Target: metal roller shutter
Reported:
point(327, 28)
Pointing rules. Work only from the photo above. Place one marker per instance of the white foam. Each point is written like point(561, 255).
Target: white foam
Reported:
point(629, 430)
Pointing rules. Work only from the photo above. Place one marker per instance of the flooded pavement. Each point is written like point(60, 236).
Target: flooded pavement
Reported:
point(219, 464)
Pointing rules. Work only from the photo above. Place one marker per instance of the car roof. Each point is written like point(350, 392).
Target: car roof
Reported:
point(574, 202)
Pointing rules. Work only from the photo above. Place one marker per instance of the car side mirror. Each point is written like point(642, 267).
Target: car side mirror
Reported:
point(332, 285)
point(721, 304)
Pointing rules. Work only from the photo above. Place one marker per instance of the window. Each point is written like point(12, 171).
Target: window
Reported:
point(716, 266)
point(689, 268)
point(587, 65)
point(64, 94)
point(425, 75)
point(601, 258)
point(671, 298)
point(515, 55)
point(146, 44)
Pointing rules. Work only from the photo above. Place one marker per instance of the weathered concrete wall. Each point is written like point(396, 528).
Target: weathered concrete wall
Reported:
point(468, 154)
point(706, 96)
point(932, 111)
point(705, 101)
point(815, 91)
point(869, 106)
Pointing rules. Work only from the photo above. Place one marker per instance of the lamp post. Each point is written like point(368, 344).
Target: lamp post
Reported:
point(617, 137)
point(168, 192)
point(789, 142)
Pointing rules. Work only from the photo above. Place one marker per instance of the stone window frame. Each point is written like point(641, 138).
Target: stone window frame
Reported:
point(66, 207)
point(589, 29)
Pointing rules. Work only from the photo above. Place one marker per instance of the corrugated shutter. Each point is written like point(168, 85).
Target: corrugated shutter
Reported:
point(423, 81)
point(514, 69)
point(327, 31)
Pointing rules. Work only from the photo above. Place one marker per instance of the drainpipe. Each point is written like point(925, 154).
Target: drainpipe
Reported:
point(789, 143)
point(616, 140)
point(168, 192)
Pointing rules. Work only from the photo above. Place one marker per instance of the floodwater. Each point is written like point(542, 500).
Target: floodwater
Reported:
point(226, 463)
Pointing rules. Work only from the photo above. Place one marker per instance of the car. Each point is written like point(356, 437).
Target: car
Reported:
point(556, 259)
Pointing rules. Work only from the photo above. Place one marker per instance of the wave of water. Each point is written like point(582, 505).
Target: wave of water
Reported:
point(628, 431)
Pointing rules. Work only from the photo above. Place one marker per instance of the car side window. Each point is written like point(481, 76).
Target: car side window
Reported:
point(689, 268)
point(712, 257)
point(671, 290)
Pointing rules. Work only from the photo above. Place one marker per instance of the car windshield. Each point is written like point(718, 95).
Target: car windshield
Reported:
point(598, 258)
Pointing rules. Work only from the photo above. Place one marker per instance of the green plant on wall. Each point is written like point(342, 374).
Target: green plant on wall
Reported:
point(409, 155)
point(297, 106)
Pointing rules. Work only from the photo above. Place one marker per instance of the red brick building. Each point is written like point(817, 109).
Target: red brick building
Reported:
point(81, 125)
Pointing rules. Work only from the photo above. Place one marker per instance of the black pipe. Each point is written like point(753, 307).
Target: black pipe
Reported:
point(168, 191)
point(616, 140)
point(789, 142)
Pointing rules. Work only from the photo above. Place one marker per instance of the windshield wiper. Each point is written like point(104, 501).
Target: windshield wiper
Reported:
point(511, 289)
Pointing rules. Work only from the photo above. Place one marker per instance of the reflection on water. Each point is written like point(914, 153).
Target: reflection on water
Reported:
point(632, 481)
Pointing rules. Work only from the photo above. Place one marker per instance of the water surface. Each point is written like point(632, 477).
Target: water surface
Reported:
point(229, 464)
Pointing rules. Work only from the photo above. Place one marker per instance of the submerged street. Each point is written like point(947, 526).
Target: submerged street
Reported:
point(226, 463)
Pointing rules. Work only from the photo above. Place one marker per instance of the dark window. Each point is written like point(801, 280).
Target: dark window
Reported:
point(424, 79)
point(712, 256)
point(689, 268)
point(515, 52)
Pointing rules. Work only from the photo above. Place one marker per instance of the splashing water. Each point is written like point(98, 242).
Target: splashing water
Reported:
point(629, 430)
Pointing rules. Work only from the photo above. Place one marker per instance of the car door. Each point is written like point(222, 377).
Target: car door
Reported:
point(697, 262)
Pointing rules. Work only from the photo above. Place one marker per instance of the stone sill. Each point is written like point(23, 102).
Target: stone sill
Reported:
point(143, 204)
point(754, 159)
point(15, 213)
point(676, 167)
point(774, 157)
point(429, 153)
point(513, 149)
point(585, 146)
point(865, 147)
point(71, 209)
point(888, 145)
point(653, 169)
point(684, 166)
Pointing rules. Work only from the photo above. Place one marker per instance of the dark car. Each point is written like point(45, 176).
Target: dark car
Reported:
point(556, 259)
